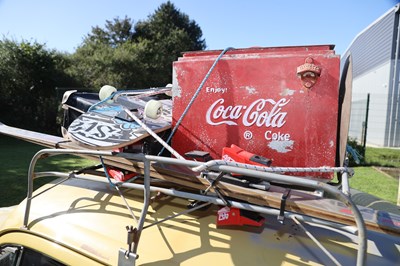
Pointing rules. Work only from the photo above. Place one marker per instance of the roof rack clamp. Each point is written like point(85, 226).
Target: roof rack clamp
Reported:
point(285, 196)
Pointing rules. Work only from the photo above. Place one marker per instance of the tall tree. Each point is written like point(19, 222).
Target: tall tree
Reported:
point(136, 56)
point(168, 22)
point(115, 33)
point(164, 36)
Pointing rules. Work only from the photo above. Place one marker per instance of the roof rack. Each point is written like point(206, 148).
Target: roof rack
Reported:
point(269, 174)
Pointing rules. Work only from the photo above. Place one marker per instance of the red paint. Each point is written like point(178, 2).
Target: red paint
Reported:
point(119, 175)
point(233, 216)
point(255, 99)
point(347, 211)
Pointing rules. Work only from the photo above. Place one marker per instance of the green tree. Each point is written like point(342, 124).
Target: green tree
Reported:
point(164, 36)
point(116, 32)
point(29, 74)
point(97, 64)
point(136, 56)
point(168, 23)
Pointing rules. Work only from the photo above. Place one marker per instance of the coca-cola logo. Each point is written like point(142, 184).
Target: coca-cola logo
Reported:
point(261, 112)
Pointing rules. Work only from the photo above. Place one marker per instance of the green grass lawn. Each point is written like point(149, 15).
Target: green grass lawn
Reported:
point(372, 181)
point(15, 156)
point(384, 157)
point(368, 179)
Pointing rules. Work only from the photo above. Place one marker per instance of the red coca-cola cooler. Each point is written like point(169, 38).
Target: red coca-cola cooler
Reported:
point(280, 103)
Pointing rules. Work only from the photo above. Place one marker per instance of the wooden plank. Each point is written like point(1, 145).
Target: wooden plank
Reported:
point(31, 136)
point(345, 94)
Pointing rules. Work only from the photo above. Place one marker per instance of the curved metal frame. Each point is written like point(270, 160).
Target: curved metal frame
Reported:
point(220, 166)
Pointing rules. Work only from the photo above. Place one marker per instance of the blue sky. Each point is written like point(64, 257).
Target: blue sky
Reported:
point(61, 25)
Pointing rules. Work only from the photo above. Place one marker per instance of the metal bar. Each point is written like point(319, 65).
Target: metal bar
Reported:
point(285, 196)
point(212, 163)
point(364, 140)
point(153, 134)
point(345, 184)
point(126, 204)
point(31, 176)
point(316, 241)
point(362, 250)
point(137, 94)
point(217, 201)
point(201, 166)
point(361, 253)
point(146, 203)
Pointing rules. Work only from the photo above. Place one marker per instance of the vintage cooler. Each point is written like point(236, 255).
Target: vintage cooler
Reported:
point(280, 103)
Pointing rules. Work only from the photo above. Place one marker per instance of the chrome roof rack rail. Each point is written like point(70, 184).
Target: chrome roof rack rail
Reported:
point(268, 174)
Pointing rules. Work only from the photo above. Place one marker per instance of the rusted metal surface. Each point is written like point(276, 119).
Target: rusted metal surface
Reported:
point(255, 99)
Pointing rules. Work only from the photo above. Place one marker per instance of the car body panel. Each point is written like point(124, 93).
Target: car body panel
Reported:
point(89, 219)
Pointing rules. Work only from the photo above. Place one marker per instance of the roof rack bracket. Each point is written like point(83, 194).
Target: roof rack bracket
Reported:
point(126, 258)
